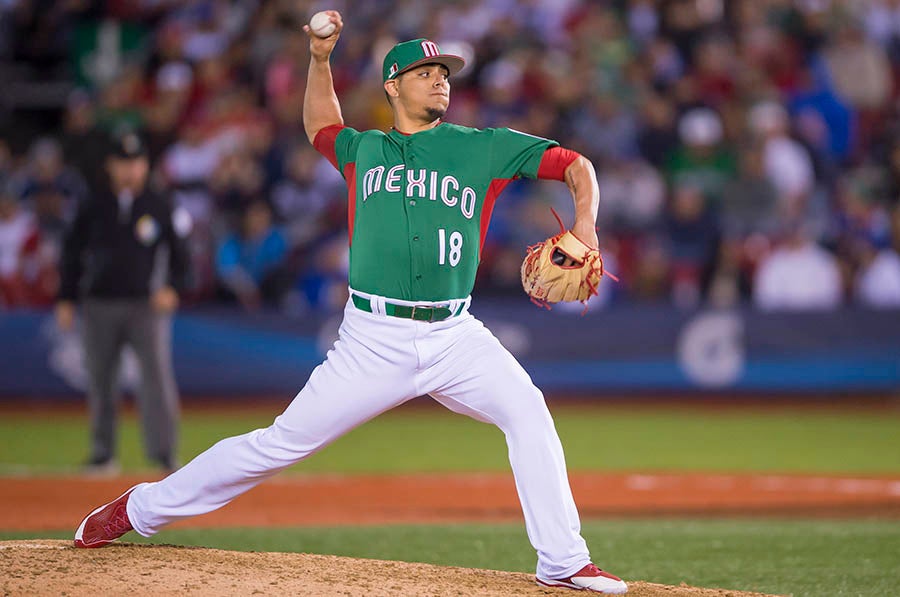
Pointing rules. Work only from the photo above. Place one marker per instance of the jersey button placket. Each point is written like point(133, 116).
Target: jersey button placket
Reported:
point(409, 158)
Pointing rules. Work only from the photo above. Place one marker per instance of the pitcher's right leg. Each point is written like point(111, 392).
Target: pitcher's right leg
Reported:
point(481, 379)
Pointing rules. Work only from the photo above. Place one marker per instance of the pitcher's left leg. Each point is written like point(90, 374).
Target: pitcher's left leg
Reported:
point(484, 381)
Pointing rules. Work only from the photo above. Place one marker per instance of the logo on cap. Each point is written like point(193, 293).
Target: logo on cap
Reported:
point(429, 48)
point(393, 69)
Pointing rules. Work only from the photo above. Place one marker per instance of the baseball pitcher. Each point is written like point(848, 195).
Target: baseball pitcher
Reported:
point(420, 200)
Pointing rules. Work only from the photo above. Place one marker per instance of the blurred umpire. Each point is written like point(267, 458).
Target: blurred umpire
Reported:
point(124, 260)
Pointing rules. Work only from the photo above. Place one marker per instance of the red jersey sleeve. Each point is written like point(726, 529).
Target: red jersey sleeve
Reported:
point(325, 140)
point(554, 163)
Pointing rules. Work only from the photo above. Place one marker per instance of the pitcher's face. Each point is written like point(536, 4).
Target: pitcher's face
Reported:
point(422, 92)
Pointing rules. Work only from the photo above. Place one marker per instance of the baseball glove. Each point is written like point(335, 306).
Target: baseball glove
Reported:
point(561, 269)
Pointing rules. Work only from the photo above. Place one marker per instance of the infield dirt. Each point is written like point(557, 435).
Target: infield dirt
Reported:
point(53, 503)
point(45, 567)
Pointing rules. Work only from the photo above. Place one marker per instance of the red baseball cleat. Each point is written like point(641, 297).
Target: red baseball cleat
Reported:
point(589, 578)
point(105, 524)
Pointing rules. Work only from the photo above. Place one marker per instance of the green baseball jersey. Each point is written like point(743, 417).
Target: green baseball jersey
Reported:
point(420, 204)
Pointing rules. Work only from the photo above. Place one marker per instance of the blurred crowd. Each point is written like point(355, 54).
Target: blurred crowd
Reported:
point(748, 151)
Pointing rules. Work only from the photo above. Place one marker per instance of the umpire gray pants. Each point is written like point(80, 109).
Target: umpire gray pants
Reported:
point(110, 324)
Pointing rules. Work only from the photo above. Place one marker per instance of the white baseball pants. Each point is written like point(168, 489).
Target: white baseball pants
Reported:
point(380, 362)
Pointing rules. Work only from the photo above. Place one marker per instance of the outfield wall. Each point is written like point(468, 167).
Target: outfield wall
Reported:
point(646, 349)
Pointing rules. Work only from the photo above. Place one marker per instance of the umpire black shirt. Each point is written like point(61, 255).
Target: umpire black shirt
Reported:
point(111, 249)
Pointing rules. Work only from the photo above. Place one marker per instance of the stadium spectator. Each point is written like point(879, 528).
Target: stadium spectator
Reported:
point(825, 122)
point(251, 264)
point(657, 138)
point(692, 241)
point(877, 284)
point(786, 162)
point(858, 66)
point(798, 275)
point(609, 130)
point(633, 195)
point(26, 278)
point(82, 140)
point(750, 201)
point(237, 181)
point(187, 167)
point(54, 188)
point(165, 112)
point(701, 160)
point(306, 196)
point(714, 62)
point(119, 107)
point(881, 19)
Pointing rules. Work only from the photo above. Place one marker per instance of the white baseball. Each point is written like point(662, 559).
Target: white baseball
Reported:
point(321, 26)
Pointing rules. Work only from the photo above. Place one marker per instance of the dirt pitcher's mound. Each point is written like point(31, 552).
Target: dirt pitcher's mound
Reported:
point(44, 567)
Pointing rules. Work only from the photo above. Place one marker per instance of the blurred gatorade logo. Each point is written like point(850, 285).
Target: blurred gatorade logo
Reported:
point(711, 350)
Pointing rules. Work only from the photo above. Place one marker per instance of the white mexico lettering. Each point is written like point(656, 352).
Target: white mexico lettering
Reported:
point(420, 183)
point(372, 181)
point(467, 204)
point(445, 186)
point(416, 182)
point(392, 183)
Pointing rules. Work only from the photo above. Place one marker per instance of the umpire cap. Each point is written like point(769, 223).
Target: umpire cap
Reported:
point(127, 146)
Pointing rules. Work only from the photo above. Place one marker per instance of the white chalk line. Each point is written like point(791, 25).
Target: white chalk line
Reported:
point(769, 483)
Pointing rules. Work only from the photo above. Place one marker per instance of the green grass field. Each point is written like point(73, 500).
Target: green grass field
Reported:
point(783, 556)
point(595, 438)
